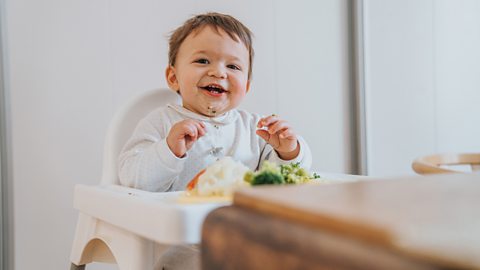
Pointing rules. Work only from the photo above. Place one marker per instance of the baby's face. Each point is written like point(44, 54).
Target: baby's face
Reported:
point(211, 72)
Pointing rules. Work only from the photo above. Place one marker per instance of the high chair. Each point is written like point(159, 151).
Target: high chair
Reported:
point(445, 163)
point(126, 226)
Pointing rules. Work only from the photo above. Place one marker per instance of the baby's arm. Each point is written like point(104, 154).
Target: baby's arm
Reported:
point(148, 161)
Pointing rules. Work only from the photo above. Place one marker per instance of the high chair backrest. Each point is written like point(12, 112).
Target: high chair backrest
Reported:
point(123, 124)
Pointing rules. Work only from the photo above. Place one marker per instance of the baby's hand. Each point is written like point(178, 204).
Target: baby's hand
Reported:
point(280, 136)
point(183, 135)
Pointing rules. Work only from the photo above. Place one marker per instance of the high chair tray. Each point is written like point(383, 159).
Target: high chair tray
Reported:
point(158, 216)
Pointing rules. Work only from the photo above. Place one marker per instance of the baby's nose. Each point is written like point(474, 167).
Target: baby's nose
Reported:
point(218, 71)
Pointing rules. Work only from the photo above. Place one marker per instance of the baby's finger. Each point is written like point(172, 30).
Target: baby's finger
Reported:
point(201, 132)
point(192, 131)
point(277, 126)
point(263, 134)
point(200, 126)
point(287, 134)
point(266, 121)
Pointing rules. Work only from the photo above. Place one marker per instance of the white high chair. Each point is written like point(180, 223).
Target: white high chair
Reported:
point(130, 227)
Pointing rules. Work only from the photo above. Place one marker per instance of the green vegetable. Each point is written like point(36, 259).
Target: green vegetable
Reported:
point(248, 177)
point(294, 174)
point(268, 178)
point(271, 173)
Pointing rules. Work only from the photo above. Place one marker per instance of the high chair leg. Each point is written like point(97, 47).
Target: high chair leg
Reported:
point(98, 241)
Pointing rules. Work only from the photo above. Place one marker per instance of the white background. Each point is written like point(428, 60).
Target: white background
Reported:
point(71, 64)
point(422, 80)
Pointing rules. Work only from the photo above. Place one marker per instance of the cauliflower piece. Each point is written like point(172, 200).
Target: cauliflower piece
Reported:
point(221, 178)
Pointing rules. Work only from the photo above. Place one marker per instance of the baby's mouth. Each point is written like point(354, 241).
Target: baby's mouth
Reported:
point(214, 89)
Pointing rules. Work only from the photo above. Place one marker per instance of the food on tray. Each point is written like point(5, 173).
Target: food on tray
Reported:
point(219, 179)
point(224, 176)
point(271, 173)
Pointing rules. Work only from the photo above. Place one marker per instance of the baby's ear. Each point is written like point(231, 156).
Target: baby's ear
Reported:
point(171, 77)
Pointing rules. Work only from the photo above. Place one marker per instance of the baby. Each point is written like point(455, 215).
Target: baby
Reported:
point(210, 67)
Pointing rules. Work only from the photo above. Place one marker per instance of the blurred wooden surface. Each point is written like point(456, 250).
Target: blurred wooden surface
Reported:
point(414, 223)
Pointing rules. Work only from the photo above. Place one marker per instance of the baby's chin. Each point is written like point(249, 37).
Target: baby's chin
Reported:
point(211, 109)
point(214, 109)
point(212, 112)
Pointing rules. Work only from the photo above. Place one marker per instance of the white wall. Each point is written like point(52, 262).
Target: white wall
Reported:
point(71, 64)
point(457, 75)
point(422, 80)
point(312, 77)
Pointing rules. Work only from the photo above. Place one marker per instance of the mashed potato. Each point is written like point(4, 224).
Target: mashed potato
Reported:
point(221, 178)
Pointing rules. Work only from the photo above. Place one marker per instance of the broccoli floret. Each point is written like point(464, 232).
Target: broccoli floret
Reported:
point(266, 178)
point(294, 174)
point(269, 173)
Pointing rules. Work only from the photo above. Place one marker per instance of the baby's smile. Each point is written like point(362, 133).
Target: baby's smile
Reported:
point(214, 89)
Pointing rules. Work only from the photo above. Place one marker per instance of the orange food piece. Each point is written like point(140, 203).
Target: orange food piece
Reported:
point(193, 183)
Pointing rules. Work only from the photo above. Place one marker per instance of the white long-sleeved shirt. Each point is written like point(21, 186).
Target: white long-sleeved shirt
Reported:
point(147, 163)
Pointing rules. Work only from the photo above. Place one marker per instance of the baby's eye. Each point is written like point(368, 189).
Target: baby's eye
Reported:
point(235, 67)
point(202, 61)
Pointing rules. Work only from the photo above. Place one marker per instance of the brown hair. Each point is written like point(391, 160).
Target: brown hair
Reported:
point(234, 28)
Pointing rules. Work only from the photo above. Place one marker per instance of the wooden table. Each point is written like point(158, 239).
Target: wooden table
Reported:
point(419, 222)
